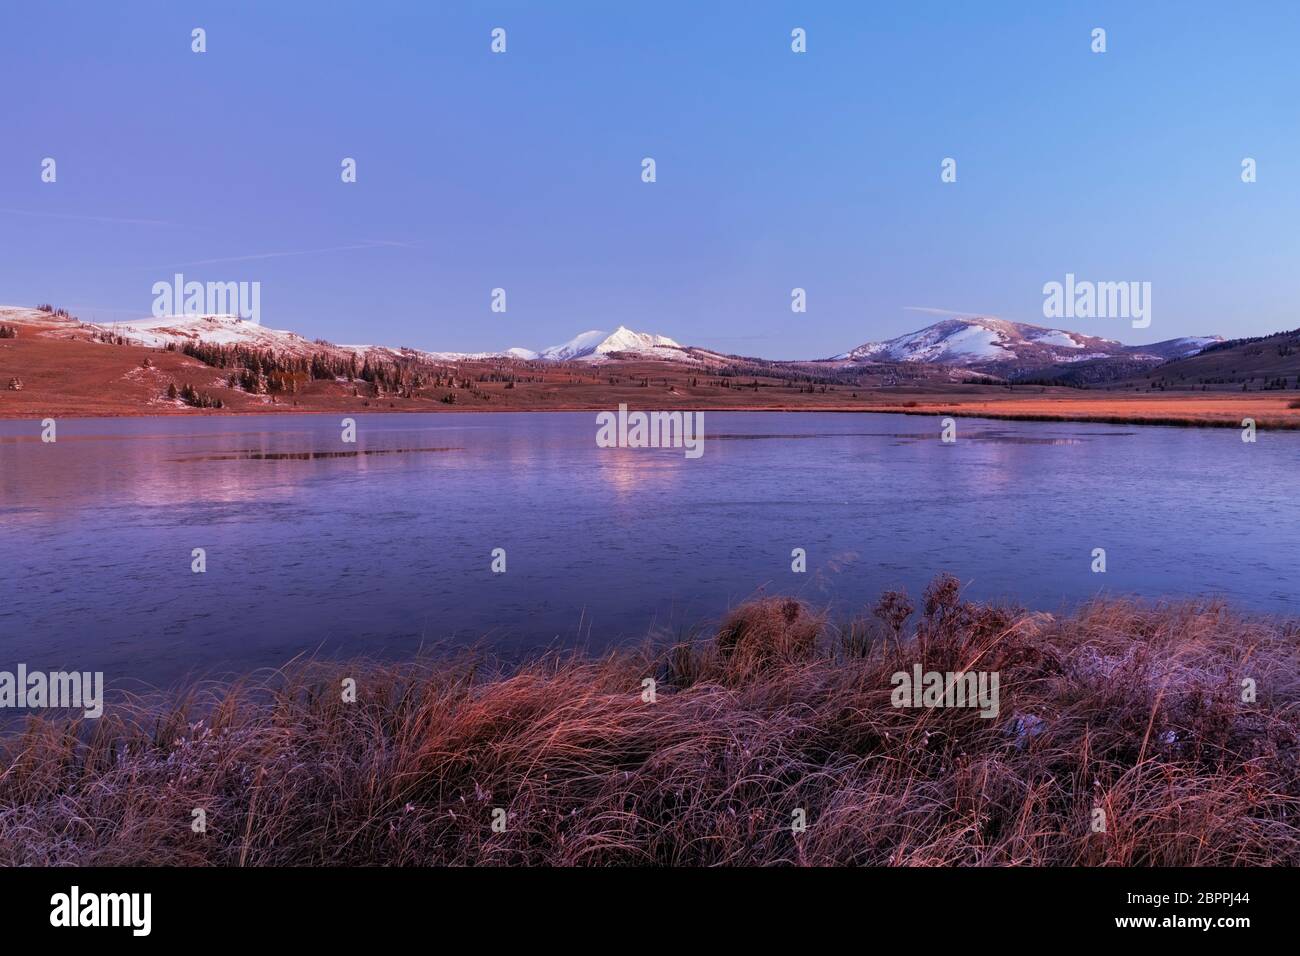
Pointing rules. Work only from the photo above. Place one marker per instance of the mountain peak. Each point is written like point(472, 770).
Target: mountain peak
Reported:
point(596, 345)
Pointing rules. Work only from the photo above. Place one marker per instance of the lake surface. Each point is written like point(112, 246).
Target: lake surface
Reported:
point(379, 547)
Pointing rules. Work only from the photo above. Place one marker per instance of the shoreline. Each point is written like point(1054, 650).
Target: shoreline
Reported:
point(702, 753)
point(930, 409)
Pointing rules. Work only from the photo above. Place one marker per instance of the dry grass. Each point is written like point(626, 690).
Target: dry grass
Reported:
point(1133, 709)
point(1270, 410)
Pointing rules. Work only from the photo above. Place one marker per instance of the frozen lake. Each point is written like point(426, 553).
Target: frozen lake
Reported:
point(375, 548)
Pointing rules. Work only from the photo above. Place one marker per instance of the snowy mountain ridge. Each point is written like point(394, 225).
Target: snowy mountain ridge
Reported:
point(987, 341)
point(969, 342)
point(160, 331)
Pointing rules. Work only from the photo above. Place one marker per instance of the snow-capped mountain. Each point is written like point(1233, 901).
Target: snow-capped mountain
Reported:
point(158, 332)
point(985, 341)
point(597, 346)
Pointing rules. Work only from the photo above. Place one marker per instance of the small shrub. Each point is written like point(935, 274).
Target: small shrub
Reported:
point(767, 632)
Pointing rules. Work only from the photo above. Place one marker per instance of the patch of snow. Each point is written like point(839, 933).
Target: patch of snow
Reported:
point(17, 315)
point(140, 372)
point(1059, 339)
point(1191, 344)
point(1065, 359)
point(582, 344)
point(445, 357)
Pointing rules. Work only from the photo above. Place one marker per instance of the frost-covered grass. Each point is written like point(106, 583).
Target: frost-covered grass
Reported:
point(1134, 710)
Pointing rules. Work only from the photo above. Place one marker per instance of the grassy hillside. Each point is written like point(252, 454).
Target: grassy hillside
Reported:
point(1267, 362)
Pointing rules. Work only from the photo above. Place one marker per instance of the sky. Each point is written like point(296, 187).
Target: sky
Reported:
point(774, 169)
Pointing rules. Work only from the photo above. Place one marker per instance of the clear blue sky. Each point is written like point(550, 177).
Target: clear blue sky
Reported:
point(775, 170)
